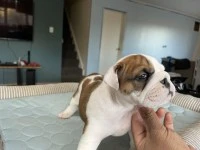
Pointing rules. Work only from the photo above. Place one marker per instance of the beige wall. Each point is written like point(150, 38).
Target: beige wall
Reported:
point(79, 14)
point(196, 54)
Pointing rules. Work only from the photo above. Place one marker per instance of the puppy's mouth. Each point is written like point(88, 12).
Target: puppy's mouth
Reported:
point(166, 85)
point(161, 93)
point(171, 93)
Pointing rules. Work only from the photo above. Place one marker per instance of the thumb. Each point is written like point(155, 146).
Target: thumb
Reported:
point(150, 118)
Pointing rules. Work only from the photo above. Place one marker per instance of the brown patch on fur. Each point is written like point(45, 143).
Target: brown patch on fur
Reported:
point(92, 74)
point(87, 89)
point(76, 92)
point(98, 78)
point(129, 69)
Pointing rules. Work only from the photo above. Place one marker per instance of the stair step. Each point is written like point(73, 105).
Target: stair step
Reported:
point(72, 78)
point(69, 54)
point(71, 71)
point(70, 62)
point(68, 38)
point(68, 45)
point(66, 50)
point(71, 74)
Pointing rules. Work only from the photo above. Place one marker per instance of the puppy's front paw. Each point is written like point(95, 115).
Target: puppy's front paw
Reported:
point(63, 115)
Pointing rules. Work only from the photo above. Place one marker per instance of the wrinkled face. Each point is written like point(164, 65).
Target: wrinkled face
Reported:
point(142, 79)
point(133, 73)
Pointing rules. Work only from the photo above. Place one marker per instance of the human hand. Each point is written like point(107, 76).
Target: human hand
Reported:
point(150, 134)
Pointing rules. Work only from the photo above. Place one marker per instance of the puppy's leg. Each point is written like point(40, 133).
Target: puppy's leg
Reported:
point(73, 106)
point(70, 110)
point(92, 137)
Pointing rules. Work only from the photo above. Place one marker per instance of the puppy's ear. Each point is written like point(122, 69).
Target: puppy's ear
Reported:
point(118, 68)
point(111, 77)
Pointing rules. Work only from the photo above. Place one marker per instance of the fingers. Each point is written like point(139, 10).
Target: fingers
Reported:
point(191, 148)
point(137, 127)
point(168, 121)
point(160, 113)
point(150, 119)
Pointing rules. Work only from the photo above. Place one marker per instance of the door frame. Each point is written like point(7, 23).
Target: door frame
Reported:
point(122, 33)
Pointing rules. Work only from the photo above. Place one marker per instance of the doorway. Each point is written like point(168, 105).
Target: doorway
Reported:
point(111, 39)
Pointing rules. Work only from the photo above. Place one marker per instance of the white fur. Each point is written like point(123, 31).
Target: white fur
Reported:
point(109, 111)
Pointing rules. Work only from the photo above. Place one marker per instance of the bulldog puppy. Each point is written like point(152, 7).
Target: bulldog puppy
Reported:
point(106, 103)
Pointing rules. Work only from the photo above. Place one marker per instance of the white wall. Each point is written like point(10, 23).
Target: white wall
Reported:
point(147, 30)
point(80, 18)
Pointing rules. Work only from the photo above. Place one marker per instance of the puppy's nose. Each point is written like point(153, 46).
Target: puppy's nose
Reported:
point(165, 82)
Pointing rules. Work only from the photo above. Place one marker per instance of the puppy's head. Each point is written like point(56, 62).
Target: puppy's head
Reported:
point(141, 77)
point(133, 73)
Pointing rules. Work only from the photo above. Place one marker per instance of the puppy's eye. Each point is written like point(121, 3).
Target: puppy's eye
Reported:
point(143, 76)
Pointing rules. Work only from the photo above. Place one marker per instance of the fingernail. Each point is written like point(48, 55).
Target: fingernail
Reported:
point(143, 110)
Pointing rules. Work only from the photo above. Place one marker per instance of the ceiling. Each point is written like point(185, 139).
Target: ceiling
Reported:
point(189, 8)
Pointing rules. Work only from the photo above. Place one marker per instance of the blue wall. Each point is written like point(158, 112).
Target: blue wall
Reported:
point(147, 30)
point(46, 48)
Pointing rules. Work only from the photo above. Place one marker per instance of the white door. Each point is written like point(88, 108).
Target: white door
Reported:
point(111, 40)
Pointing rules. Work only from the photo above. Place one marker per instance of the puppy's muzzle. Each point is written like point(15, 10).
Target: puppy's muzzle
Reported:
point(165, 82)
point(167, 85)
